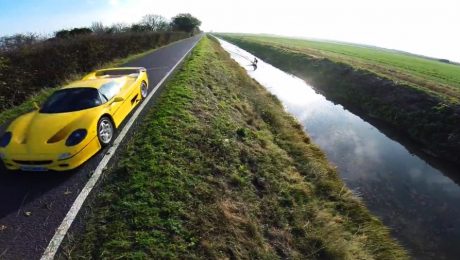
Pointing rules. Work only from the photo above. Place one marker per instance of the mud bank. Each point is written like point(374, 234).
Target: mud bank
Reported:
point(430, 121)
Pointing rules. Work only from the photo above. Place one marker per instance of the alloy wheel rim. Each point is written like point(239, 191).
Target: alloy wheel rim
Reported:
point(105, 131)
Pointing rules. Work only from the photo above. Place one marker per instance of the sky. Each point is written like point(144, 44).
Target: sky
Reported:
point(423, 27)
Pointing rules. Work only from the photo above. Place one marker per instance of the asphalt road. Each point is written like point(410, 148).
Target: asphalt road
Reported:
point(33, 205)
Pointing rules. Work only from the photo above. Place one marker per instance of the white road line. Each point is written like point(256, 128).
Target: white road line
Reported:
point(55, 242)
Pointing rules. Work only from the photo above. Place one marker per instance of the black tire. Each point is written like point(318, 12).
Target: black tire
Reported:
point(105, 131)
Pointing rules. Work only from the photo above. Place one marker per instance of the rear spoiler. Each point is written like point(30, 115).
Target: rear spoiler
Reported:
point(115, 72)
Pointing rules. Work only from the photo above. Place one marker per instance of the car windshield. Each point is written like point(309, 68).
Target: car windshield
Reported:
point(110, 89)
point(71, 99)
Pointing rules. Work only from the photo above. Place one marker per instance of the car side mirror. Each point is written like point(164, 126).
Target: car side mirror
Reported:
point(118, 99)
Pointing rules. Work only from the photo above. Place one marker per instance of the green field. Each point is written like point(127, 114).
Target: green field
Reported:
point(430, 74)
point(218, 170)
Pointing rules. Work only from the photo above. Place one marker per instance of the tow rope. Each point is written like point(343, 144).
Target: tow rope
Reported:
point(252, 61)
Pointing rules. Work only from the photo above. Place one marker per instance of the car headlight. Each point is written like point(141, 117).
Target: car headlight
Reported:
point(5, 140)
point(76, 137)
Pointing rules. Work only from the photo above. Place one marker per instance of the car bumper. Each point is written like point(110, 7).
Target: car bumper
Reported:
point(45, 162)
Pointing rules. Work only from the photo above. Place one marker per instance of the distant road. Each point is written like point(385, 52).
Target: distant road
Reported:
point(33, 205)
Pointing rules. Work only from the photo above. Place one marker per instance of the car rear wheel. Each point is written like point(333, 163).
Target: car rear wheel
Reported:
point(144, 89)
point(105, 131)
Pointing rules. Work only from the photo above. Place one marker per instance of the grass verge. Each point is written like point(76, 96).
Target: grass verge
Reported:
point(218, 169)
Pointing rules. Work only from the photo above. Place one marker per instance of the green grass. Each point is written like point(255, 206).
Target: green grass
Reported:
point(429, 74)
point(41, 96)
point(219, 170)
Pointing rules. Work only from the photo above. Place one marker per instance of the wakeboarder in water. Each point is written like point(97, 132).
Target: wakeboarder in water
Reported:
point(254, 63)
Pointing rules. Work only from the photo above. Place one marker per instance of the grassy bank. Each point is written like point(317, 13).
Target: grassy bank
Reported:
point(219, 170)
point(40, 95)
point(428, 115)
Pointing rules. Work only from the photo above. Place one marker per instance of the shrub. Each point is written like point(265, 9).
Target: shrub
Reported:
point(28, 69)
point(72, 33)
point(186, 23)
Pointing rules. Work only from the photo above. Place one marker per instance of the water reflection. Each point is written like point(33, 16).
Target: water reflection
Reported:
point(417, 201)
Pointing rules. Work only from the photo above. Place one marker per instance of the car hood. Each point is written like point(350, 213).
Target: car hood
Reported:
point(36, 131)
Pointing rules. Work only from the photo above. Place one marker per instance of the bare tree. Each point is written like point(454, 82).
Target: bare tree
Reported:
point(98, 28)
point(155, 22)
point(119, 28)
point(18, 40)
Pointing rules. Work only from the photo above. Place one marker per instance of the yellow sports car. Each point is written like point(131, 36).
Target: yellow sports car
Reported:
point(74, 122)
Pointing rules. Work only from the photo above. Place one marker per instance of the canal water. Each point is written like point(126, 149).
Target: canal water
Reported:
point(417, 201)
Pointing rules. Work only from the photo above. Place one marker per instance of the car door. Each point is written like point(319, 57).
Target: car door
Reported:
point(110, 91)
point(128, 94)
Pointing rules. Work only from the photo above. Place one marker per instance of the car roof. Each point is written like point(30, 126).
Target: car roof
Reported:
point(96, 83)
